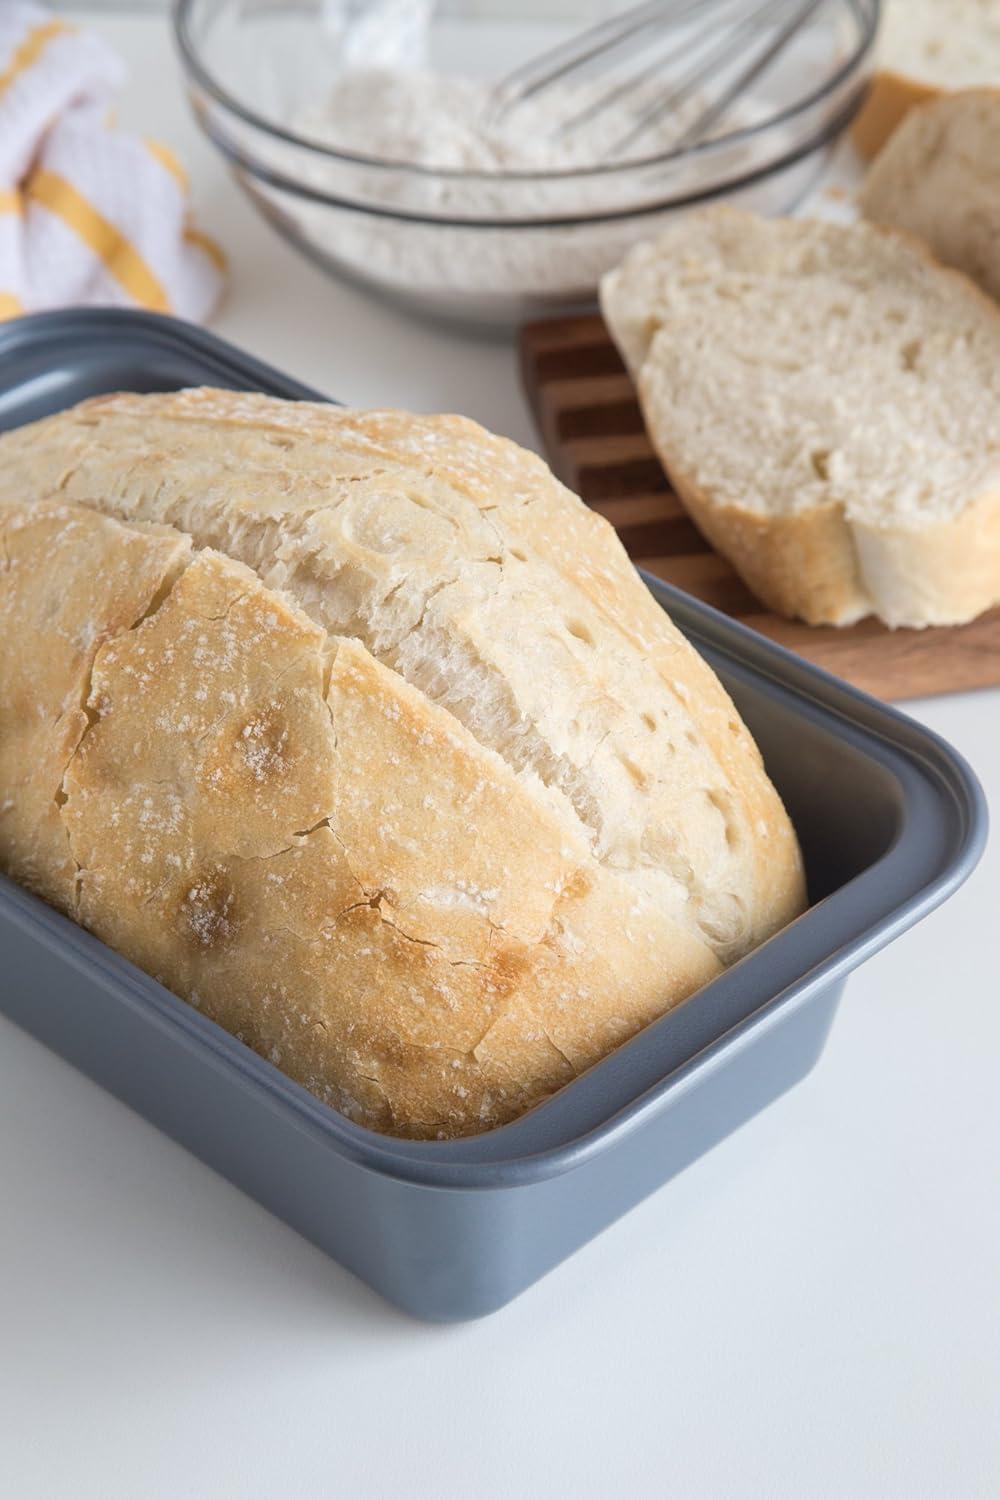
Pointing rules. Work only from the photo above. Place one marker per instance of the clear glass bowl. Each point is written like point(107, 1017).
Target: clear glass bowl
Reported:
point(492, 247)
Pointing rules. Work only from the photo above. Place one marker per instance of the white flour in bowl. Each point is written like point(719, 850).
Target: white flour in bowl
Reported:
point(442, 124)
point(439, 121)
point(438, 158)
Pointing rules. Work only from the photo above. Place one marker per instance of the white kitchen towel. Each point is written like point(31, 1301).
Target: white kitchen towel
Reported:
point(88, 213)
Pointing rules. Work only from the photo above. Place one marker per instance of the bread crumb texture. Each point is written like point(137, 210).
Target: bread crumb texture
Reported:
point(826, 401)
point(359, 732)
point(952, 46)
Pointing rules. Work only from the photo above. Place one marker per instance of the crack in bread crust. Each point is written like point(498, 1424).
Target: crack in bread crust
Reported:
point(71, 581)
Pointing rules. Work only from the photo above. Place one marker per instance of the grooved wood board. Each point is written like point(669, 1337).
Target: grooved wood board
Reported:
point(592, 431)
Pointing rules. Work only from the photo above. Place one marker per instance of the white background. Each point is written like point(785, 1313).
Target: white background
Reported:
point(810, 1311)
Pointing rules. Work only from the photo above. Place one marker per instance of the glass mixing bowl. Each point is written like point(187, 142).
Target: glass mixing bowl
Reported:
point(492, 247)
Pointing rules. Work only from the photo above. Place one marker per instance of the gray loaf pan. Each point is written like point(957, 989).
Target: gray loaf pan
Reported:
point(891, 821)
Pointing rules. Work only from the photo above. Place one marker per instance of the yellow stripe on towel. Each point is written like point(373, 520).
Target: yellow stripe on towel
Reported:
point(121, 259)
point(208, 247)
point(168, 161)
point(10, 202)
point(31, 49)
point(10, 306)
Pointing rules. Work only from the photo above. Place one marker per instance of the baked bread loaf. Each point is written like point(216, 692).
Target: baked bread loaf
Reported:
point(826, 401)
point(939, 177)
point(360, 733)
point(926, 49)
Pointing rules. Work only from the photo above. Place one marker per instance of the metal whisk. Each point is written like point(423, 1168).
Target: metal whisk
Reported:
point(694, 43)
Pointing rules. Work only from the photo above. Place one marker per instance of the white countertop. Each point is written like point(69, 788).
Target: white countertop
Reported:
point(811, 1311)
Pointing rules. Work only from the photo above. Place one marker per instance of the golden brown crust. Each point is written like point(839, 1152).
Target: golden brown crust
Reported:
point(69, 580)
point(246, 834)
point(803, 565)
point(289, 834)
point(889, 101)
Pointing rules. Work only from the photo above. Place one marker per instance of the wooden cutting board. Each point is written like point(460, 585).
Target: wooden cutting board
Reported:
point(593, 436)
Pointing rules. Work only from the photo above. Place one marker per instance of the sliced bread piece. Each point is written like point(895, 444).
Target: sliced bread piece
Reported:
point(926, 49)
point(826, 401)
point(939, 178)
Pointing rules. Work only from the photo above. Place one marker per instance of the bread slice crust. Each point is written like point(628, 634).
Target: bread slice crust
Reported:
point(890, 99)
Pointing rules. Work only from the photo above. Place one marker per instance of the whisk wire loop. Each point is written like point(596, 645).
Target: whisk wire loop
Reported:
point(693, 42)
